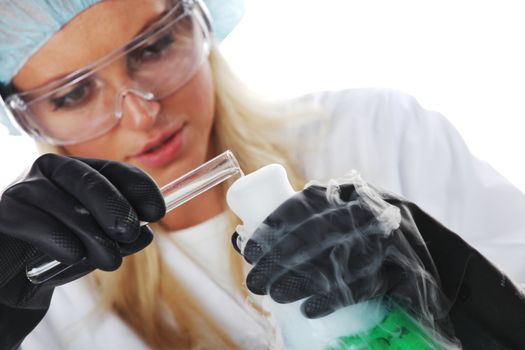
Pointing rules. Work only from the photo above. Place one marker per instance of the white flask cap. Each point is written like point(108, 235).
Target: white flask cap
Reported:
point(253, 197)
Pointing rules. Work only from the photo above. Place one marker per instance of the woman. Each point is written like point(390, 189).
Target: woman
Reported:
point(132, 82)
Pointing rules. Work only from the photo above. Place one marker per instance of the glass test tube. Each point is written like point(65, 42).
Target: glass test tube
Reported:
point(175, 194)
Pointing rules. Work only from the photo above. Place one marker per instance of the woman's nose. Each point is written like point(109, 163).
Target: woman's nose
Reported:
point(138, 112)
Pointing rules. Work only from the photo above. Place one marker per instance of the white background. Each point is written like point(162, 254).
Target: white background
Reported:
point(462, 58)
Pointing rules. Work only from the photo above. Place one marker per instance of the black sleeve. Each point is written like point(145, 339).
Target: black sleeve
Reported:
point(18, 320)
point(16, 324)
point(488, 309)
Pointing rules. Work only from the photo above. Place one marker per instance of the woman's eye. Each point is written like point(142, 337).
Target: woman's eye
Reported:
point(153, 51)
point(77, 95)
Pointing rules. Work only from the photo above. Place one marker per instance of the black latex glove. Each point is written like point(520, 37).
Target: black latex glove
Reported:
point(314, 249)
point(68, 209)
point(487, 309)
point(336, 253)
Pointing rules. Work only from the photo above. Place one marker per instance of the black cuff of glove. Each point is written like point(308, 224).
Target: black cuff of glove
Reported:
point(16, 324)
point(18, 319)
point(235, 236)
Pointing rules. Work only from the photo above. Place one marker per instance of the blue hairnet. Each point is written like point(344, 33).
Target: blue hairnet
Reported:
point(225, 15)
point(26, 25)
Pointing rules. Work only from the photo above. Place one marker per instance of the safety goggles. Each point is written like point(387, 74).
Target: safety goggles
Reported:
point(83, 105)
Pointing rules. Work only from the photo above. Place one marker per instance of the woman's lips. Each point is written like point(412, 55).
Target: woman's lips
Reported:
point(163, 152)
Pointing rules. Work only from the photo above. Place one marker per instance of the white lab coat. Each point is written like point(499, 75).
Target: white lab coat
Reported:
point(395, 144)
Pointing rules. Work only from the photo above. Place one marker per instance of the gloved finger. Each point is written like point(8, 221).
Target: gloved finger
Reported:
point(271, 267)
point(235, 244)
point(338, 295)
point(308, 240)
point(34, 226)
point(317, 229)
point(320, 305)
point(274, 273)
point(54, 238)
point(78, 224)
point(83, 267)
point(332, 269)
point(265, 240)
point(138, 188)
point(260, 277)
point(98, 195)
point(293, 212)
point(293, 286)
point(144, 239)
point(14, 250)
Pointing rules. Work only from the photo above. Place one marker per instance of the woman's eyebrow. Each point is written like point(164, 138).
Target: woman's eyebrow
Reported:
point(149, 23)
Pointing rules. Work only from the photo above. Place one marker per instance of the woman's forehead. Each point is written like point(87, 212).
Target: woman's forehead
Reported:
point(89, 36)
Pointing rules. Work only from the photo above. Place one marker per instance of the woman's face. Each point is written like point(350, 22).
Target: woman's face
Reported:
point(166, 138)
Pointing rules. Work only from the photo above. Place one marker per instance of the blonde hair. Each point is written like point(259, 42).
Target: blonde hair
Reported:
point(143, 288)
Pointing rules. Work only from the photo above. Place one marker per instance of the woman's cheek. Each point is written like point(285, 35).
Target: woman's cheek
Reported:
point(104, 147)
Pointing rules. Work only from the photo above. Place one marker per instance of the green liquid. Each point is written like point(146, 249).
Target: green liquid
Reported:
point(396, 332)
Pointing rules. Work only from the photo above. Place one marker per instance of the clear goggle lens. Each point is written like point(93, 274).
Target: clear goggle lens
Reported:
point(90, 105)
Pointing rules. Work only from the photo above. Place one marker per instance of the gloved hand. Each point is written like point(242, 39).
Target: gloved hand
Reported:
point(337, 249)
point(337, 246)
point(68, 209)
